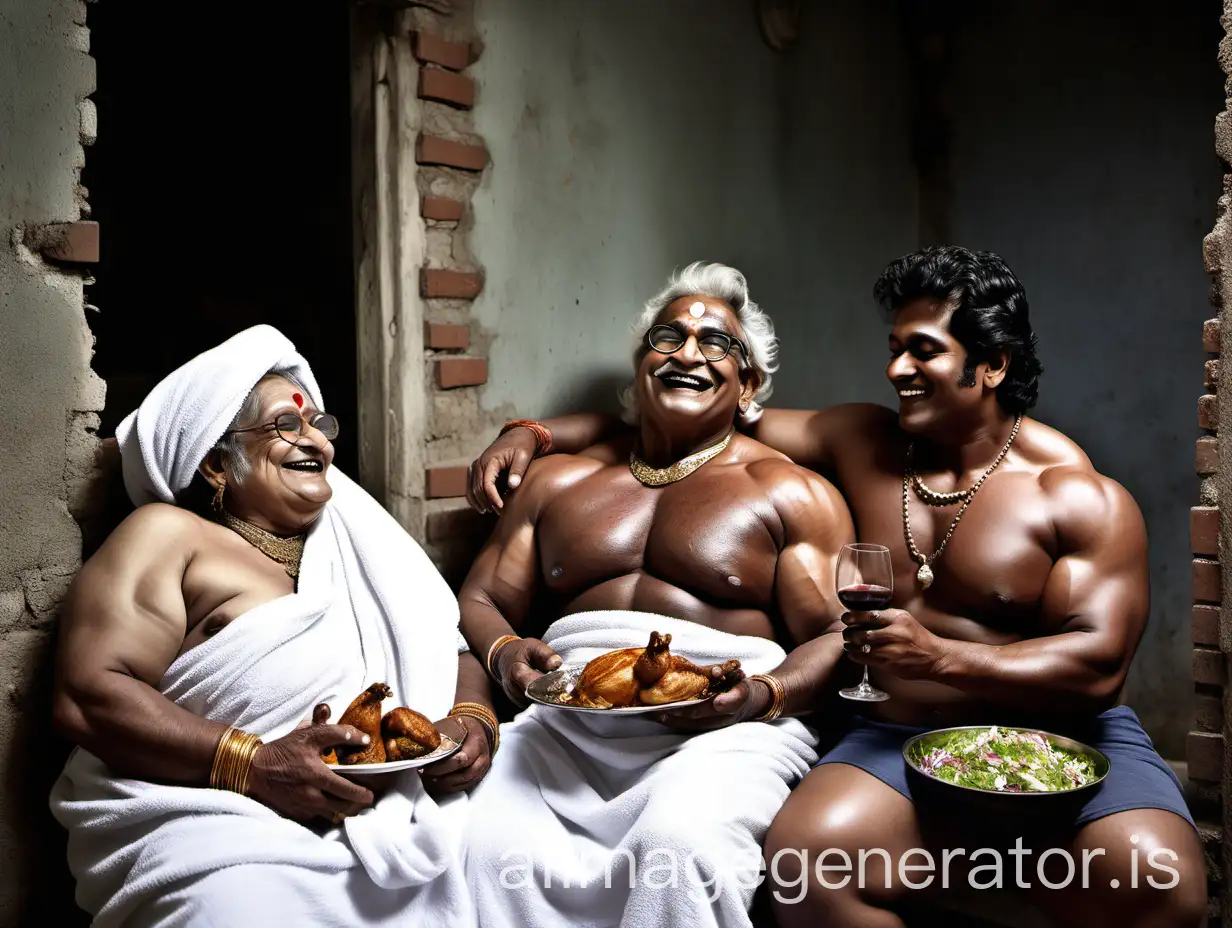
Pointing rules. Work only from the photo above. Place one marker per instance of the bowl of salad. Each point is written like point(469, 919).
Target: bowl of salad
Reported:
point(1011, 762)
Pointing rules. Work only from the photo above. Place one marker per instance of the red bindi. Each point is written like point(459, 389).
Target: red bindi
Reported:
point(299, 400)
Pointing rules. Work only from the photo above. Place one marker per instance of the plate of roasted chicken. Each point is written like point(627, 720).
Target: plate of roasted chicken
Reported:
point(634, 681)
point(402, 739)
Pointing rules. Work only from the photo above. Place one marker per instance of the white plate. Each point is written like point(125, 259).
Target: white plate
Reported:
point(447, 747)
point(551, 687)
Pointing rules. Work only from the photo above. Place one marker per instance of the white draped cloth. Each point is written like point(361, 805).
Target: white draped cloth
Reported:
point(600, 821)
point(370, 606)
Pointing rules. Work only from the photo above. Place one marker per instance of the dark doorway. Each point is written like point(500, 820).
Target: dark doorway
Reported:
point(221, 181)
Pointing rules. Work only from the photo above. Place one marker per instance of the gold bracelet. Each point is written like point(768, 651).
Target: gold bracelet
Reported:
point(485, 716)
point(233, 760)
point(496, 646)
point(778, 697)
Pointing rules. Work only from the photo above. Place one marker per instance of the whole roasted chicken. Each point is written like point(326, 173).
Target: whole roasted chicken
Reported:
point(650, 676)
point(400, 734)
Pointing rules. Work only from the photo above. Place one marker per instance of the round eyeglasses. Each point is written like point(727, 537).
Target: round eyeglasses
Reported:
point(290, 426)
point(714, 346)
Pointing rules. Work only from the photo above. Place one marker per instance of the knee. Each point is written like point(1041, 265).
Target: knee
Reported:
point(1164, 886)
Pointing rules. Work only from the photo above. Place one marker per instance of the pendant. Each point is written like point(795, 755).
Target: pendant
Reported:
point(925, 576)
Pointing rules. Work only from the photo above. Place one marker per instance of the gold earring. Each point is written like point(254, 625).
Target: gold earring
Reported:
point(216, 503)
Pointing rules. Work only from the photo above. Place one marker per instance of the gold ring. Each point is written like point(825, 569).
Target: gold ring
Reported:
point(338, 818)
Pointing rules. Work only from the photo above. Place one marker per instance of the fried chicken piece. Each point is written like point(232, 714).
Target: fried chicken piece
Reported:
point(650, 676)
point(365, 714)
point(408, 734)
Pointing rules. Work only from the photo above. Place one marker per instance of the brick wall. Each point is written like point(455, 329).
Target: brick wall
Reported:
point(1209, 744)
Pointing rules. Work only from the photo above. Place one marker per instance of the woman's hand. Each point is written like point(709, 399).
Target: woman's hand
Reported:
point(289, 776)
point(465, 767)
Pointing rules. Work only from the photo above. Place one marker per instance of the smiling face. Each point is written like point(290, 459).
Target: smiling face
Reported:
point(929, 369)
point(683, 384)
point(285, 489)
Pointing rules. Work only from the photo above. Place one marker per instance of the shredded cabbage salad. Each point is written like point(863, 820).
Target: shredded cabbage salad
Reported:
point(1004, 760)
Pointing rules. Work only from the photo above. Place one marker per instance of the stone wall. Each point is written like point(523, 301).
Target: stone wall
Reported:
point(1209, 744)
point(51, 400)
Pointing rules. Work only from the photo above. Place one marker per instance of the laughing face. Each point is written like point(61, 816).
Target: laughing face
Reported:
point(928, 368)
point(286, 488)
point(682, 383)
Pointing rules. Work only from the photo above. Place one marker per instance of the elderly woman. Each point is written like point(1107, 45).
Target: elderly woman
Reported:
point(196, 645)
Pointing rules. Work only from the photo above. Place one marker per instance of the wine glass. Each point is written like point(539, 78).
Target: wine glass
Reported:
point(864, 579)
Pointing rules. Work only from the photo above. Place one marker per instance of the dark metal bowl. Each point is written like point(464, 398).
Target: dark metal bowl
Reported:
point(917, 747)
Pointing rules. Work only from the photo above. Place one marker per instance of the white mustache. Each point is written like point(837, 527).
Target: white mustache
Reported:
point(673, 367)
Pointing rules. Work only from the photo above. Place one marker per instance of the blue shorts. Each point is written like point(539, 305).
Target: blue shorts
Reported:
point(1137, 779)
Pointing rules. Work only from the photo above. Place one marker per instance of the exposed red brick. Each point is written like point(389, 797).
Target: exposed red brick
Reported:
point(445, 482)
point(1210, 336)
point(431, 149)
point(446, 337)
point(1204, 530)
point(1208, 667)
point(461, 372)
point(1206, 583)
point(429, 47)
point(439, 283)
point(1210, 378)
point(1205, 625)
point(442, 209)
point(73, 242)
point(1206, 459)
point(446, 87)
point(1208, 412)
point(1205, 755)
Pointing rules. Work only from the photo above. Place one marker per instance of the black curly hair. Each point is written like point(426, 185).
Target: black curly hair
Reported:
point(990, 311)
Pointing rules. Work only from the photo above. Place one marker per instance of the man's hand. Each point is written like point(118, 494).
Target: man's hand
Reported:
point(289, 776)
point(465, 767)
point(746, 700)
point(519, 663)
point(511, 453)
point(892, 640)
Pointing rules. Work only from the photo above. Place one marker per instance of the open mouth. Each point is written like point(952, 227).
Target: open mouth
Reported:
point(678, 380)
point(307, 466)
point(910, 393)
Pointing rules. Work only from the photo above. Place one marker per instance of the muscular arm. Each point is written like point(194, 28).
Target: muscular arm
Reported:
point(1096, 599)
point(817, 525)
point(122, 625)
point(501, 584)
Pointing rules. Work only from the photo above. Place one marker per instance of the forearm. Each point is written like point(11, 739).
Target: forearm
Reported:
point(138, 732)
point(806, 672)
point(1060, 673)
point(473, 683)
point(482, 624)
point(576, 432)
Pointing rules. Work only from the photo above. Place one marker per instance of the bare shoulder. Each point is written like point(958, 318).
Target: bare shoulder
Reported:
point(861, 418)
point(549, 475)
point(797, 493)
point(154, 530)
point(1089, 509)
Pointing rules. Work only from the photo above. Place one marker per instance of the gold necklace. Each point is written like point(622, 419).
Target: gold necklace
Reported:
point(925, 573)
point(662, 476)
point(286, 551)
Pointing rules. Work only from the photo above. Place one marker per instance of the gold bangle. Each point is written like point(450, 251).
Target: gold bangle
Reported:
point(778, 697)
point(233, 760)
point(496, 646)
point(485, 716)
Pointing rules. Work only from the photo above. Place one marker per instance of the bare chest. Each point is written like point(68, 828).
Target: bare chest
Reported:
point(711, 534)
point(223, 582)
point(994, 560)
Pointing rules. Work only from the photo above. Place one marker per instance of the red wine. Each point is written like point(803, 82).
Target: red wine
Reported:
point(863, 597)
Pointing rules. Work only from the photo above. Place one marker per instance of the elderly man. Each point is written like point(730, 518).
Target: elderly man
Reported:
point(195, 647)
point(685, 528)
point(1021, 590)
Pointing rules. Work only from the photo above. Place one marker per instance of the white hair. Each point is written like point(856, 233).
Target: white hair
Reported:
point(718, 282)
point(233, 451)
